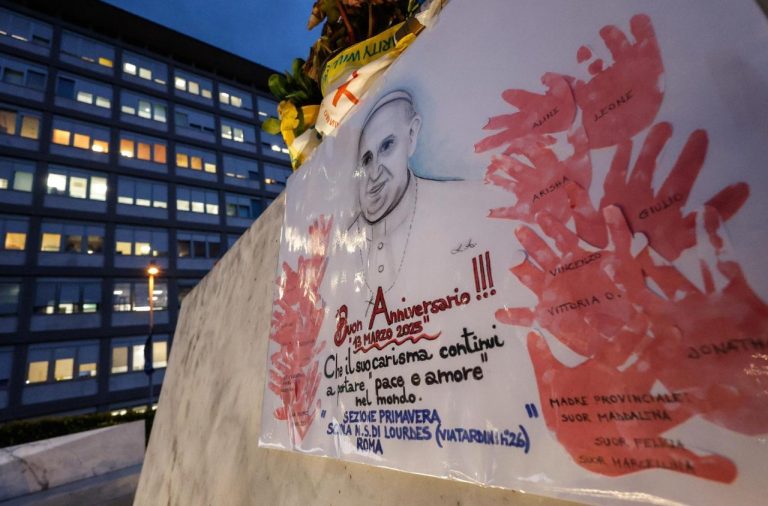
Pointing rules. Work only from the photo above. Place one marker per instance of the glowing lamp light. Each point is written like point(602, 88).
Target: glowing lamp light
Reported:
point(153, 270)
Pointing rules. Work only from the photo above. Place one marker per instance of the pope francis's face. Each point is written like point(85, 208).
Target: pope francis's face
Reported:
point(388, 140)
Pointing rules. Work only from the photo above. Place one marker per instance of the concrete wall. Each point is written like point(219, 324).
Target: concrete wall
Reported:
point(204, 445)
point(46, 467)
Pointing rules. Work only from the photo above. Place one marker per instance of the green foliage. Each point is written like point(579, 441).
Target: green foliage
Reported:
point(348, 22)
point(26, 431)
point(295, 86)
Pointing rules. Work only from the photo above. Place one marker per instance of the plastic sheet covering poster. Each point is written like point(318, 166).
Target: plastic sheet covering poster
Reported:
point(534, 258)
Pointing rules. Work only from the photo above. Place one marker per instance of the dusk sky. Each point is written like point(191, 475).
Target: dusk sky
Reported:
point(269, 32)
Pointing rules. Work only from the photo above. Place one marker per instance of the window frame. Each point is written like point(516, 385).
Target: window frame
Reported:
point(75, 132)
point(136, 140)
point(155, 237)
point(69, 173)
point(92, 55)
point(88, 231)
point(58, 284)
point(193, 238)
point(86, 353)
point(181, 190)
point(157, 187)
point(135, 286)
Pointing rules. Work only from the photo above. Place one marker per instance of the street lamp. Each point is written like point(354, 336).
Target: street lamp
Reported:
point(152, 271)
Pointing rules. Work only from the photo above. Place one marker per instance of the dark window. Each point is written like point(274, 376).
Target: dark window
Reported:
point(11, 76)
point(35, 79)
point(95, 243)
point(184, 248)
point(66, 88)
point(74, 244)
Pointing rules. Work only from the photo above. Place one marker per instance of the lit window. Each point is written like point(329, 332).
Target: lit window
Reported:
point(38, 372)
point(78, 187)
point(82, 141)
point(182, 205)
point(159, 114)
point(160, 156)
point(210, 167)
point(100, 146)
point(85, 97)
point(61, 137)
point(206, 93)
point(238, 135)
point(129, 68)
point(63, 369)
point(15, 241)
point(182, 160)
point(98, 188)
point(30, 127)
point(23, 182)
point(86, 370)
point(226, 131)
point(180, 83)
point(51, 242)
point(8, 122)
point(106, 62)
point(143, 153)
point(145, 73)
point(159, 354)
point(128, 109)
point(224, 97)
point(126, 148)
point(103, 102)
point(143, 248)
point(194, 88)
point(212, 208)
point(119, 359)
point(123, 248)
point(196, 163)
point(236, 101)
point(57, 183)
point(138, 356)
point(145, 109)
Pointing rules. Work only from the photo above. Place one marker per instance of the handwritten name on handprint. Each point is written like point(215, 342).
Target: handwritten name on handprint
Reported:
point(538, 114)
point(622, 99)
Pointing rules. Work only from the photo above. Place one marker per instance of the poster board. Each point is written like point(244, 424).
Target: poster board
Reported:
point(532, 258)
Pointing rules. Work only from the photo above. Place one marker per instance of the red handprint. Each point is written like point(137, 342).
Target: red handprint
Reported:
point(537, 114)
point(659, 215)
point(623, 99)
point(714, 343)
point(585, 298)
point(603, 441)
point(296, 321)
point(615, 334)
point(540, 187)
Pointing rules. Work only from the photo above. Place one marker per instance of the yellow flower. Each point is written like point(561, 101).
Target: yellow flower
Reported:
point(289, 115)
